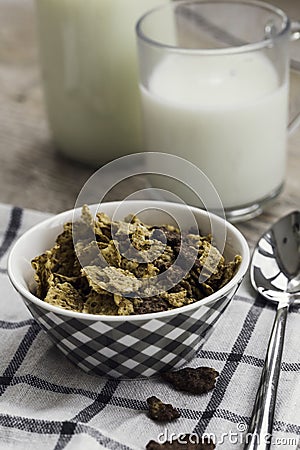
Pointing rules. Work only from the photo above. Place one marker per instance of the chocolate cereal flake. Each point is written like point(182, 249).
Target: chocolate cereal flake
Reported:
point(184, 442)
point(160, 411)
point(197, 381)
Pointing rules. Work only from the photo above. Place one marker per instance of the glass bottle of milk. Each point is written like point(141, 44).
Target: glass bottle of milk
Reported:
point(89, 70)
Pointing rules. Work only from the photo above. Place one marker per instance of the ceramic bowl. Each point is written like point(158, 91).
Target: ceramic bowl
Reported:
point(136, 345)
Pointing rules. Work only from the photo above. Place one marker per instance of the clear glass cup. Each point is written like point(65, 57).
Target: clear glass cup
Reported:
point(214, 90)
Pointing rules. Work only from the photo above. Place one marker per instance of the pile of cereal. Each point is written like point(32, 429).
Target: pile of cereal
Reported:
point(73, 278)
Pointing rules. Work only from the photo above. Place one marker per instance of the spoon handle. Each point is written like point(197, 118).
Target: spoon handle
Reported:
point(260, 429)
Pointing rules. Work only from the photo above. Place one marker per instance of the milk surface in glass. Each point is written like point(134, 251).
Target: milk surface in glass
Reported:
point(227, 114)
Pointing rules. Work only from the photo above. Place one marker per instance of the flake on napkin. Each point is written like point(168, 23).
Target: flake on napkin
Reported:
point(198, 380)
point(161, 412)
point(184, 442)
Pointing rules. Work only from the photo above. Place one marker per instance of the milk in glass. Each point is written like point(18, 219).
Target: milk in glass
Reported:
point(227, 114)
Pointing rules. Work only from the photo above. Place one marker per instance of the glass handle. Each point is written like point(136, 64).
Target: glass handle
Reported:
point(294, 65)
point(295, 30)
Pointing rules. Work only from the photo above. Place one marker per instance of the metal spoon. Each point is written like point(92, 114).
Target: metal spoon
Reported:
point(275, 274)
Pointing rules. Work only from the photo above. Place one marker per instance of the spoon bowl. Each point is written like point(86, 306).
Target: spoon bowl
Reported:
point(275, 265)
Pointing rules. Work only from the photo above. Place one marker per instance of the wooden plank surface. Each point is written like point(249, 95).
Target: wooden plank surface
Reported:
point(32, 172)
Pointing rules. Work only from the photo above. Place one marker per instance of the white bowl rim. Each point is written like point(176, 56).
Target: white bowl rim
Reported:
point(237, 278)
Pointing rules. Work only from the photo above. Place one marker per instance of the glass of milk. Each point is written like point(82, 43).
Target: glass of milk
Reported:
point(214, 90)
point(90, 75)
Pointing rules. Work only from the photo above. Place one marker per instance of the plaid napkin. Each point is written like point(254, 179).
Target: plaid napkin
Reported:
point(48, 403)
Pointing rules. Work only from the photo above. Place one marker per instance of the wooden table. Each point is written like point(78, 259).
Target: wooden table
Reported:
point(32, 172)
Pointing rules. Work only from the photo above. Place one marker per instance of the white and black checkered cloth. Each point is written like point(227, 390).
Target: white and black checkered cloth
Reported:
point(47, 403)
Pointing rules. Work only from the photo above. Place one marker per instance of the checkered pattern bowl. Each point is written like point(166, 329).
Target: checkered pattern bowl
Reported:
point(127, 346)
